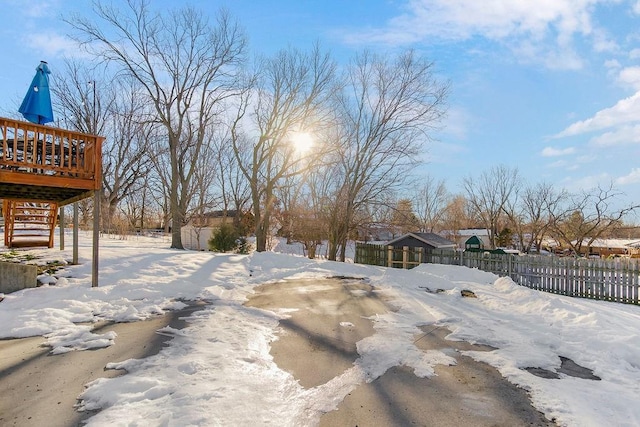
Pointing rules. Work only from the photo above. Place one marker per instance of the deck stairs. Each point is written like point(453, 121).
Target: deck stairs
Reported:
point(29, 223)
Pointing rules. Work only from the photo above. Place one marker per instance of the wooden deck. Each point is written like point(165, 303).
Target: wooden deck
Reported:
point(47, 164)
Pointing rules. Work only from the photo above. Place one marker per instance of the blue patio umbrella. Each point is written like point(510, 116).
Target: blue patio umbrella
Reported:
point(36, 106)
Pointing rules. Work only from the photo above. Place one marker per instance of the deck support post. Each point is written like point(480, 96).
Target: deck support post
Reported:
point(75, 234)
point(61, 226)
point(96, 237)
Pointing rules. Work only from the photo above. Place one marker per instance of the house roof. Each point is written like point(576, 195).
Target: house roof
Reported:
point(431, 239)
point(613, 243)
point(473, 232)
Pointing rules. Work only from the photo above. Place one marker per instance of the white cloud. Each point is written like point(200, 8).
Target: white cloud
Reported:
point(603, 43)
point(53, 44)
point(624, 135)
point(497, 19)
point(36, 8)
point(568, 164)
point(632, 177)
point(634, 54)
point(457, 123)
point(543, 32)
point(558, 164)
point(586, 158)
point(555, 152)
point(625, 111)
point(630, 76)
point(561, 58)
point(439, 152)
point(612, 64)
point(586, 182)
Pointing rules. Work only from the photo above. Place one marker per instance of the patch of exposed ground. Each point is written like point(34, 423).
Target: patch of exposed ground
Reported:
point(318, 342)
point(40, 389)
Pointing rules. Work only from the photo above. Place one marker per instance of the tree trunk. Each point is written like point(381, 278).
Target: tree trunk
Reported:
point(176, 214)
point(337, 238)
point(260, 230)
point(333, 251)
point(333, 246)
point(176, 236)
point(261, 238)
point(311, 250)
point(107, 220)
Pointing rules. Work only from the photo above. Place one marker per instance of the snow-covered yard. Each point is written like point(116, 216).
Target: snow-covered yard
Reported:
point(219, 370)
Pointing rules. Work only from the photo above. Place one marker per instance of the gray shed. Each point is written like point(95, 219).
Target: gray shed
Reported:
point(427, 241)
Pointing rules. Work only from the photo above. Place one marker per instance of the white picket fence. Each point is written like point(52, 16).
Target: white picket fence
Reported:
point(615, 280)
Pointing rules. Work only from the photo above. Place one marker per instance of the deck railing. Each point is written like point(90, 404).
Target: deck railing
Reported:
point(37, 149)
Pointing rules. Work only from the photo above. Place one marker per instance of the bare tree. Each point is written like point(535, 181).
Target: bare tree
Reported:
point(530, 214)
point(290, 206)
point(489, 193)
point(430, 203)
point(458, 215)
point(290, 91)
point(235, 192)
point(159, 179)
point(301, 219)
point(589, 216)
point(125, 158)
point(132, 209)
point(202, 196)
point(84, 97)
point(111, 107)
point(85, 213)
point(185, 67)
point(515, 212)
point(403, 219)
point(385, 113)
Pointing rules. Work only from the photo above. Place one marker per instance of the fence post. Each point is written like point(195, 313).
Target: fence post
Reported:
point(389, 256)
point(405, 257)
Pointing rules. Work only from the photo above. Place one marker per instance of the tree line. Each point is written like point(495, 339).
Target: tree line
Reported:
point(195, 123)
point(517, 214)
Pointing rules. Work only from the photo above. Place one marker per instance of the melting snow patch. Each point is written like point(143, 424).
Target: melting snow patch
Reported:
point(79, 338)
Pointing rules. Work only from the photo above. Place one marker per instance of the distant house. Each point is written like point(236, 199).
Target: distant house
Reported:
point(427, 241)
point(212, 219)
point(611, 247)
point(378, 232)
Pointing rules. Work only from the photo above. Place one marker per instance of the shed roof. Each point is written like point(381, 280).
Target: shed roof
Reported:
point(473, 240)
point(431, 239)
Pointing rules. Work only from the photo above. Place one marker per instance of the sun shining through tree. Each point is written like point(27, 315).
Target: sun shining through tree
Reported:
point(302, 142)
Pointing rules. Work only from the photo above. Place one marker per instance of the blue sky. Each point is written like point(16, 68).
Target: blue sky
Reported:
point(551, 87)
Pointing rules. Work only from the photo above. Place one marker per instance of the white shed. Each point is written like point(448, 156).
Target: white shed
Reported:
point(196, 238)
